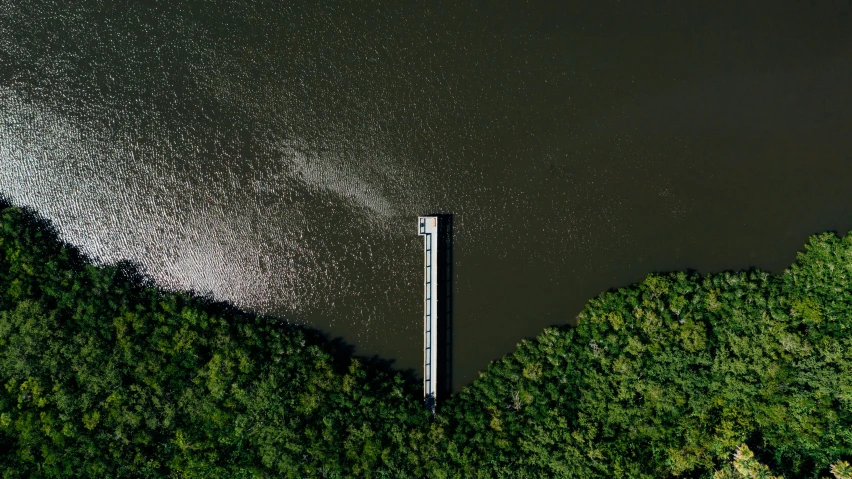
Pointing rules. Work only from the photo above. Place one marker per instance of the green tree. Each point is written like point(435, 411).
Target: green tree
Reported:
point(735, 374)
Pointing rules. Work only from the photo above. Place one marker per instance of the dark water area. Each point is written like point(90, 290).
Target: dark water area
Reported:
point(277, 156)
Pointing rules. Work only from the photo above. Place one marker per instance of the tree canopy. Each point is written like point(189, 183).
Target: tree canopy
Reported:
point(735, 374)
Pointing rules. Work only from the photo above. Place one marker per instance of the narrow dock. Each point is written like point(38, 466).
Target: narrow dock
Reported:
point(429, 231)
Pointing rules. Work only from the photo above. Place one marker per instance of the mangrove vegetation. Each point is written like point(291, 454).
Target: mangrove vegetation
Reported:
point(728, 375)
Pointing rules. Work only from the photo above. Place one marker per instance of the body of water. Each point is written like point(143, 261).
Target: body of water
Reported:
point(277, 156)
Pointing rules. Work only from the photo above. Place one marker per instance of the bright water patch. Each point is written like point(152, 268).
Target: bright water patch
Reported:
point(240, 235)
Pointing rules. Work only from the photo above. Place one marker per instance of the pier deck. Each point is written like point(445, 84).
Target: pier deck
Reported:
point(428, 228)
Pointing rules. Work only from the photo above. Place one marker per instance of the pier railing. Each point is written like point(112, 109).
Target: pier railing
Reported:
point(429, 314)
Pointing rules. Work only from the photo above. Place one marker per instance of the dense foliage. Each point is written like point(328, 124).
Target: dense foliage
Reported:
point(733, 375)
point(103, 378)
point(669, 376)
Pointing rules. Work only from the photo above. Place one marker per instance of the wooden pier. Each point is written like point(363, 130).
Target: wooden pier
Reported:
point(429, 230)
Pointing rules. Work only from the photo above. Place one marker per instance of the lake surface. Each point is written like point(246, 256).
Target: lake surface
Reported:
point(278, 156)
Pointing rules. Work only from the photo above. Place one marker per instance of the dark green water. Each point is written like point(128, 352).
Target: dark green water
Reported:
point(277, 155)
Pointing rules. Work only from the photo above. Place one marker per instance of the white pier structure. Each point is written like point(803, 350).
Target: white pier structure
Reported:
point(429, 231)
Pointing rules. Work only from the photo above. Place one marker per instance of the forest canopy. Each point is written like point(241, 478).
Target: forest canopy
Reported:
point(728, 375)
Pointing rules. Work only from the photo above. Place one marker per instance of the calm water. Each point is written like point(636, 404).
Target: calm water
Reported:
point(277, 157)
